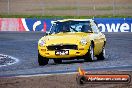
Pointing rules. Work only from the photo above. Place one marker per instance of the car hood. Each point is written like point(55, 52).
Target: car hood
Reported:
point(65, 38)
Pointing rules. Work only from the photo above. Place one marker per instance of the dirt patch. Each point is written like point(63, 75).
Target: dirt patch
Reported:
point(58, 81)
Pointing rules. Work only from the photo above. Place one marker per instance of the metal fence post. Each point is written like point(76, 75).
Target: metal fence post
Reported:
point(113, 7)
point(43, 8)
point(77, 6)
point(8, 7)
point(94, 8)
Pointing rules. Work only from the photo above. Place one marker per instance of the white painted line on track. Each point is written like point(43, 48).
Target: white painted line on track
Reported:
point(46, 74)
point(35, 75)
point(126, 70)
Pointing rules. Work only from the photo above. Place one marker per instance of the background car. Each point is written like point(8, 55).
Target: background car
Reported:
point(72, 39)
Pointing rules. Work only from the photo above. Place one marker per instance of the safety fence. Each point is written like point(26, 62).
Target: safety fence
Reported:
point(66, 7)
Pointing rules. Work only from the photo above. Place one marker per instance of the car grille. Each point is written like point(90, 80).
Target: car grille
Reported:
point(61, 47)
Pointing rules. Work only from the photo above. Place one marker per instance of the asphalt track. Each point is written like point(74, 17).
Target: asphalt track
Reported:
point(23, 46)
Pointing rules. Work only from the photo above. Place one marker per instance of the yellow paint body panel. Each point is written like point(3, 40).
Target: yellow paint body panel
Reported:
point(71, 38)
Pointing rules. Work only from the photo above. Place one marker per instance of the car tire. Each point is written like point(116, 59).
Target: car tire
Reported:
point(42, 60)
point(101, 56)
point(57, 61)
point(89, 57)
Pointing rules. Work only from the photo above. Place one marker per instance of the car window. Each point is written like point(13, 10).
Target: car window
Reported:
point(94, 27)
point(71, 26)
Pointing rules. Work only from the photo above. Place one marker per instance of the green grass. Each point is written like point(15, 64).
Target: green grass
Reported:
point(69, 8)
point(39, 16)
point(88, 8)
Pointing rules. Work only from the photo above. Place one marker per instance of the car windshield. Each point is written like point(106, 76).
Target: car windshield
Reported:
point(71, 26)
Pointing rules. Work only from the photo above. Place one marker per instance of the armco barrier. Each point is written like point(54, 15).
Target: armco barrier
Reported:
point(34, 24)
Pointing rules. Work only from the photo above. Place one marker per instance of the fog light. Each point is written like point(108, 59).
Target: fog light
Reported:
point(43, 50)
point(47, 53)
point(77, 52)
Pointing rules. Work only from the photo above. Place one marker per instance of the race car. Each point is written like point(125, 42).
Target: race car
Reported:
point(72, 39)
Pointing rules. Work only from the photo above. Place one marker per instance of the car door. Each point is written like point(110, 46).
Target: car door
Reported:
point(98, 39)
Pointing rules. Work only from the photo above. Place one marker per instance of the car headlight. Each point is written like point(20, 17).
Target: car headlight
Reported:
point(42, 42)
point(83, 41)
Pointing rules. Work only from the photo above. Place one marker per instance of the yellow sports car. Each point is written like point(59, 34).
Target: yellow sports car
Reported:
point(72, 39)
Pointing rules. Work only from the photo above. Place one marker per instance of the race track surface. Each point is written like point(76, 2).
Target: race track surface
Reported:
point(23, 46)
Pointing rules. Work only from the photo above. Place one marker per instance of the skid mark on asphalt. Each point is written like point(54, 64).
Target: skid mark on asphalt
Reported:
point(6, 60)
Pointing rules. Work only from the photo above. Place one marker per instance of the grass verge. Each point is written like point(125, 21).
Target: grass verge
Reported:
point(53, 16)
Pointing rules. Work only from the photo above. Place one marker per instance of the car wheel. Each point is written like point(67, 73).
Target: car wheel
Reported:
point(101, 56)
point(57, 61)
point(90, 55)
point(42, 60)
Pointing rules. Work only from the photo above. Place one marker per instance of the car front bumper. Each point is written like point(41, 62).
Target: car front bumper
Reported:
point(72, 53)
